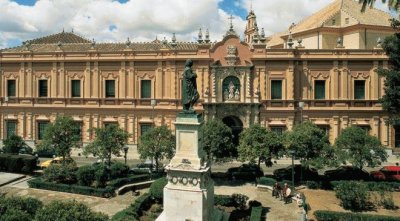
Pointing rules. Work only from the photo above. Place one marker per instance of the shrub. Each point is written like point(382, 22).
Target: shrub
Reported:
point(132, 179)
point(313, 184)
point(372, 186)
point(353, 195)
point(60, 173)
point(18, 208)
point(13, 214)
point(240, 200)
point(101, 175)
point(254, 203)
point(29, 163)
point(256, 213)
point(13, 144)
point(84, 190)
point(224, 200)
point(322, 215)
point(17, 163)
point(86, 175)
point(70, 210)
point(266, 181)
point(118, 170)
point(386, 200)
point(135, 210)
point(157, 189)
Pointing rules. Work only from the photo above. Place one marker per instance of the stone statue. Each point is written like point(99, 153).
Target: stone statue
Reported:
point(189, 88)
point(237, 94)
point(231, 90)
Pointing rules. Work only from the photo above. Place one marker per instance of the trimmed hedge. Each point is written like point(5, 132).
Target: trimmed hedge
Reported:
point(256, 213)
point(371, 185)
point(224, 200)
point(323, 215)
point(135, 210)
point(157, 188)
point(84, 190)
point(267, 181)
point(17, 163)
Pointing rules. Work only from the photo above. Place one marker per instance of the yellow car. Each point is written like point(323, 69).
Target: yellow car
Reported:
point(57, 160)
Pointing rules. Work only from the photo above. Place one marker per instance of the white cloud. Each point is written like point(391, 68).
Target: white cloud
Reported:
point(143, 20)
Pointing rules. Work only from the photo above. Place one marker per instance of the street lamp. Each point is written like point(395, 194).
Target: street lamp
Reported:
point(153, 103)
point(301, 106)
point(126, 152)
point(292, 153)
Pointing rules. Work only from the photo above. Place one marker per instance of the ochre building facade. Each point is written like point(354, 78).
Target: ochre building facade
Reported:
point(322, 69)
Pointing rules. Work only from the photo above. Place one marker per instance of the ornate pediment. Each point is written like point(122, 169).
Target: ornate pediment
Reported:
point(231, 57)
point(360, 74)
point(11, 75)
point(320, 74)
point(75, 75)
point(109, 75)
point(42, 75)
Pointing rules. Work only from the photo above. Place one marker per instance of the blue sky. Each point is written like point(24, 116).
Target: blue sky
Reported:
point(144, 20)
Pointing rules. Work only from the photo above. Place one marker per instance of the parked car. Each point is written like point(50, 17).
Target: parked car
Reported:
point(299, 172)
point(57, 160)
point(245, 172)
point(387, 173)
point(147, 167)
point(346, 173)
point(26, 150)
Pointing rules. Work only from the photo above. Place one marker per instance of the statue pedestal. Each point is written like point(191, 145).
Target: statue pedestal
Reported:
point(189, 194)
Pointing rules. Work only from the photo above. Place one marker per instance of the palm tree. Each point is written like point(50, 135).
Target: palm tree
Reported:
point(392, 4)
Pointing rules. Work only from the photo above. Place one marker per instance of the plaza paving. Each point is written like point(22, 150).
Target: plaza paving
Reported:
point(275, 209)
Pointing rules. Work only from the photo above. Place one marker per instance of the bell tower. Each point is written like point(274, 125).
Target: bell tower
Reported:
point(251, 27)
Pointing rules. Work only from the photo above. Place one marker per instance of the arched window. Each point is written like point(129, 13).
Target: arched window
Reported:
point(231, 89)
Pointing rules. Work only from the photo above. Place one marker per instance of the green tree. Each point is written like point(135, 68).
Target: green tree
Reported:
point(309, 143)
point(360, 149)
point(217, 141)
point(392, 4)
point(109, 140)
point(156, 144)
point(256, 143)
point(13, 144)
point(60, 136)
point(70, 210)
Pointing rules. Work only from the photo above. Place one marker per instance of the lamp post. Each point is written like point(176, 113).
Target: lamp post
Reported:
point(126, 152)
point(301, 106)
point(292, 152)
point(153, 103)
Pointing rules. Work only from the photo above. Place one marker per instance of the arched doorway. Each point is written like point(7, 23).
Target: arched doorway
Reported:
point(236, 125)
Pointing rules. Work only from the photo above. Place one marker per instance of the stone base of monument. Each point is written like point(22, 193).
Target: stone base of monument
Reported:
point(189, 194)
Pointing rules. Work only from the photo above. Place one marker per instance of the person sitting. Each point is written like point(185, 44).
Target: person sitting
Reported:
point(276, 190)
point(286, 193)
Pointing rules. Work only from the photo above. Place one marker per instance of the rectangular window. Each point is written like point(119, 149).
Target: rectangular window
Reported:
point(75, 88)
point(276, 89)
point(80, 126)
point(144, 128)
point(110, 88)
point(359, 89)
point(366, 128)
point(11, 88)
point(43, 88)
point(11, 128)
point(41, 127)
point(278, 130)
point(319, 87)
point(106, 124)
point(145, 91)
point(325, 128)
point(397, 136)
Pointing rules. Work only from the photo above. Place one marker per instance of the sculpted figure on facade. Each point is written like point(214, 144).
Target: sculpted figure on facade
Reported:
point(189, 90)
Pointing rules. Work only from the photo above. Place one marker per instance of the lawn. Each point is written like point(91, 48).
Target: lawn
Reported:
point(326, 200)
